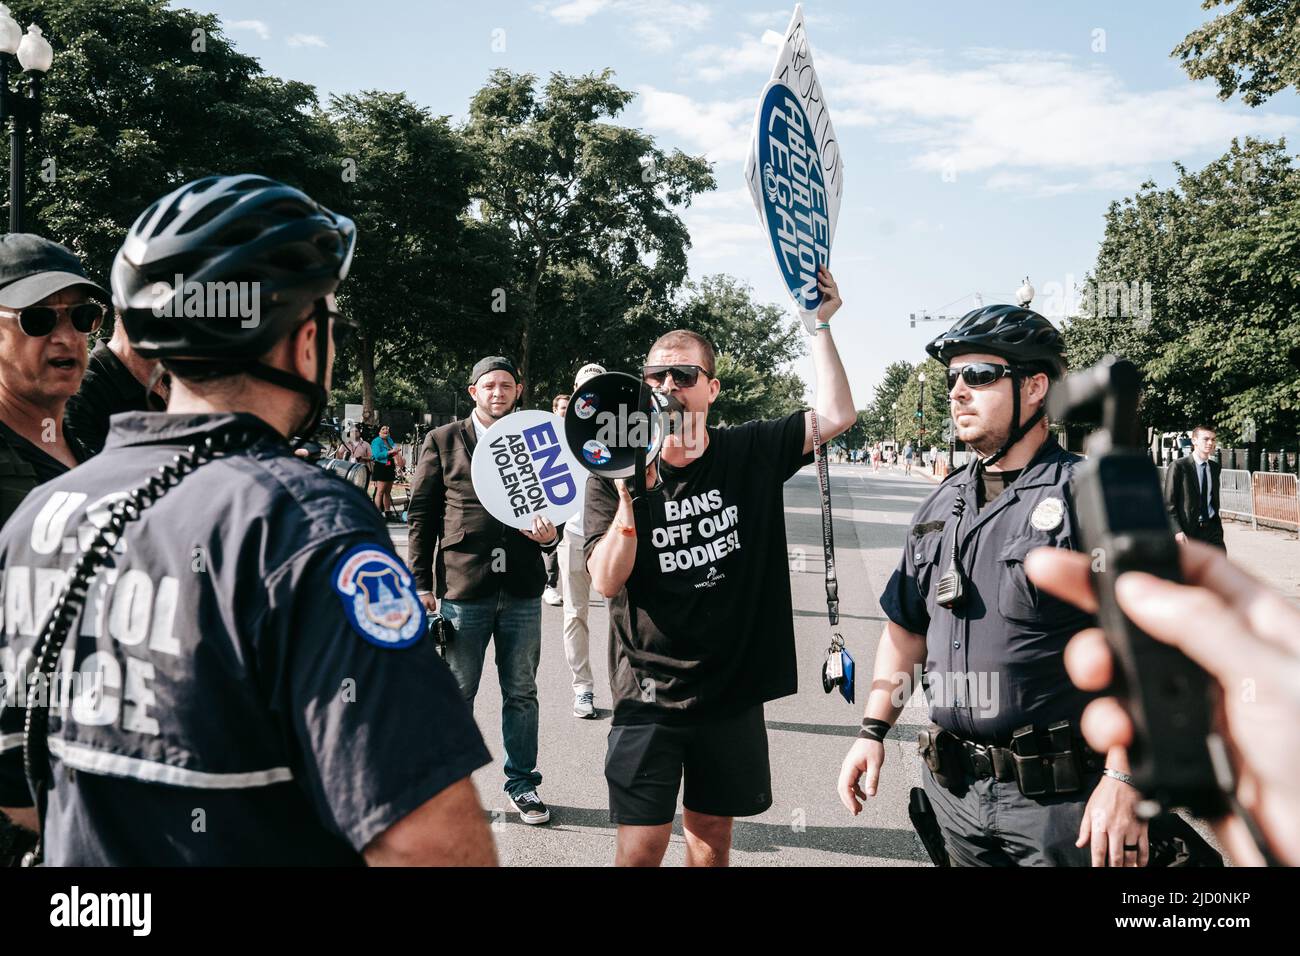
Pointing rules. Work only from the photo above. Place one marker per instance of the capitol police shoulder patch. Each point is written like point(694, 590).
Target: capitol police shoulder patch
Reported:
point(379, 598)
point(1048, 514)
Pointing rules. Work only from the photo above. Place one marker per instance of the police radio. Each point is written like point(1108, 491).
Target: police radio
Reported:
point(616, 425)
point(1122, 522)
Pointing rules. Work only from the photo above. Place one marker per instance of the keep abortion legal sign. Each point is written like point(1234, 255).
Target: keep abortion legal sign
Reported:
point(794, 170)
point(522, 469)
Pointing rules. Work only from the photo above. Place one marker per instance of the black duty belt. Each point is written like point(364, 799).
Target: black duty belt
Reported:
point(1043, 761)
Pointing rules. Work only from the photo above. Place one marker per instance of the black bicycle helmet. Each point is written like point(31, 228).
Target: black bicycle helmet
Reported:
point(1028, 342)
point(219, 230)
point(1021, 336)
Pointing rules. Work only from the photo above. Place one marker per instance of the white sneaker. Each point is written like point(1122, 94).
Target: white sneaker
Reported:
point(552, 597)
point(584, 706)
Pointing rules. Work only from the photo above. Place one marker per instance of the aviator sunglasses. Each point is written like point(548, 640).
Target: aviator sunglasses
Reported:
point(684, 375)
point(40, 320)
point(978, 374)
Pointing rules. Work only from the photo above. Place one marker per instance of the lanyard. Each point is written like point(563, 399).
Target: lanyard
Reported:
point(828, 535)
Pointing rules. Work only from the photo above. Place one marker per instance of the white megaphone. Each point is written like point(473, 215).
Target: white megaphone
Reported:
point(616, 425)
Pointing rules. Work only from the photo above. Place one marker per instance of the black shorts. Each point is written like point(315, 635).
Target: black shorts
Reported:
point(383, 471)
point(724, 761)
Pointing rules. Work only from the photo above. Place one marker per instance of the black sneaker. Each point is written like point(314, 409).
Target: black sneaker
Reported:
point(531, 809)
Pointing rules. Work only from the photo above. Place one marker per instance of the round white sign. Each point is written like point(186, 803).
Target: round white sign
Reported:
point(523, 469)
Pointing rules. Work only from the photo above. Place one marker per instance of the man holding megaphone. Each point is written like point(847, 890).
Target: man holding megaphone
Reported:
point(701, 623)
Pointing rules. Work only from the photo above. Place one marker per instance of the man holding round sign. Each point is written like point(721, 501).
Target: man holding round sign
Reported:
point(486, 498)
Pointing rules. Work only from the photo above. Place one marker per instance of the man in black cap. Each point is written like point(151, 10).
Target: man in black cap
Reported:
point(485, 578)
point(48, 308)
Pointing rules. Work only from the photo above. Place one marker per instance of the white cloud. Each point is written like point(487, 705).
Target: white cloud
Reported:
point(1072, 123)
point(256, 26)
point(720, 129)
point(575, 11)
point(773, 18)
point(714, 62)
point(723, 200)
point(1035, 111)
point(306, 39)
point(715, 238)
point(655, 23)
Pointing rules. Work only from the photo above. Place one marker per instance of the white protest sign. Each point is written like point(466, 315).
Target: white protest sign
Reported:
point(523, 469)
point(794, 170)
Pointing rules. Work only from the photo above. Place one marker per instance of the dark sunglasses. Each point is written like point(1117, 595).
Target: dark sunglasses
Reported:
point(39, 320)
point(978, 374)
point(684, 375)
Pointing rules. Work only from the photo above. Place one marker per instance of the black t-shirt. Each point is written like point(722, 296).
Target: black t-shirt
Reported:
point(704, 625)
point(108, 388)
point(46, 466)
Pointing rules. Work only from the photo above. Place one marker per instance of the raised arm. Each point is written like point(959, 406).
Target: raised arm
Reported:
point(834, 400)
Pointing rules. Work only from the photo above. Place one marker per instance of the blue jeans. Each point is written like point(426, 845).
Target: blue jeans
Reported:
point(516, 623)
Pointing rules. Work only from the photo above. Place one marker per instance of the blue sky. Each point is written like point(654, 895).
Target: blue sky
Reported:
point(982, 142)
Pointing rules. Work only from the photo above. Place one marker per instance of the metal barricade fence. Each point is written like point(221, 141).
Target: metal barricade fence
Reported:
point(1276, 499)
point(1236, 497)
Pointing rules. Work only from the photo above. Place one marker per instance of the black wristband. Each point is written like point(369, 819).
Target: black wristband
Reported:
point(873, 729)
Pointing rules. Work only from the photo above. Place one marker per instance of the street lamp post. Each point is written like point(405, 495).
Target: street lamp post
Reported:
point(894, 433)
point(920, 407)
point(34, 56)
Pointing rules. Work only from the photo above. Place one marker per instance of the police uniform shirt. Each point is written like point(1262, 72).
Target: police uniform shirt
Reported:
point(995, 662)
point(250, 681)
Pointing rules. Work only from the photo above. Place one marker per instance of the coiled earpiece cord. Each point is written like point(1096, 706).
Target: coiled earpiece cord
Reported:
point(72, 599)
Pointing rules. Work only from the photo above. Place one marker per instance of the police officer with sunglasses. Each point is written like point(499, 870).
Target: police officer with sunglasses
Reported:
point(1009, 776)
point(48, 308)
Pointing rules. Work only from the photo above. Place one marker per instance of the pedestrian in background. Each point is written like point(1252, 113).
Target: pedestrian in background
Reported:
point(1192, 491)
point(575, 585)
point(384, 471)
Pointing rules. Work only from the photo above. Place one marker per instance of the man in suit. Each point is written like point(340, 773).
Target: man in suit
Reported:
point(1192, 491)
point(486, 579)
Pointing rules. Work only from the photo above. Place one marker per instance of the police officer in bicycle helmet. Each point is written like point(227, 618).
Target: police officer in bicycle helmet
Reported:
point(238, 664)
point(1010, 779)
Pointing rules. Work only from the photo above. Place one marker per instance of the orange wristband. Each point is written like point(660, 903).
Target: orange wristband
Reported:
point(625, 530)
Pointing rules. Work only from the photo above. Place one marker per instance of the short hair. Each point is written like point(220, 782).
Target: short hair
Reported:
point(679, 338)
point(557, 399)
point(1204, 428)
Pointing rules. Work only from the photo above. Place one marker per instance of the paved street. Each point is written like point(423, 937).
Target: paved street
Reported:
point(808, 732)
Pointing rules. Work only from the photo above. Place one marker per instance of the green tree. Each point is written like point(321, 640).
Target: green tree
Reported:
point(862, 432)
point(755, 344)
point(759, 335)
point(138, 102)
point(888, 392)
point(422, 281)
point(747, 393)
point(1252, 49)
point(1214, 257)
point(927, 431)
point(598, 249)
